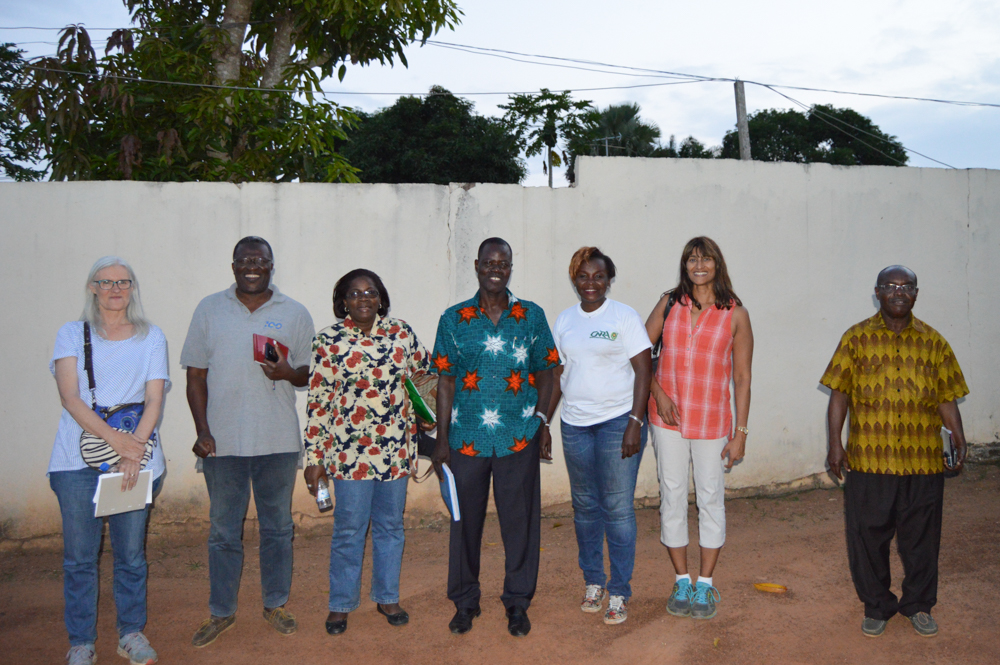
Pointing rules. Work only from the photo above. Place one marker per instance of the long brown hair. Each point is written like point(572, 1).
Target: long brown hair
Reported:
point(725, 297)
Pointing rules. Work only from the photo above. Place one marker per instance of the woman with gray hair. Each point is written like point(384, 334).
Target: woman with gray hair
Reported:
point(129, 365)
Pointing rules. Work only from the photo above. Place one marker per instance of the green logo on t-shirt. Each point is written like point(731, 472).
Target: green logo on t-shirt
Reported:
point(604, 334)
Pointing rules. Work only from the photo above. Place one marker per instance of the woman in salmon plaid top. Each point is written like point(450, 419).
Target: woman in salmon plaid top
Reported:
point(358, 432)
point(707, 342)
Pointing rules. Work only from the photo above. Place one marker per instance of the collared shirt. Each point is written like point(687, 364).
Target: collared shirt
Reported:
point(694, 370)
point(494, 366)
point(895, 383)
point(248, 413)
point(358, 420)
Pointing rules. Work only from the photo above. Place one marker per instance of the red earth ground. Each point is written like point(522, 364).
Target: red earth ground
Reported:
point(795, 540)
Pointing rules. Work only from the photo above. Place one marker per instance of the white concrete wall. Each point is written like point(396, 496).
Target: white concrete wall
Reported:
point(803, 244)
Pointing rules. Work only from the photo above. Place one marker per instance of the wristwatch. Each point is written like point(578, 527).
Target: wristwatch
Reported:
point(745, 431)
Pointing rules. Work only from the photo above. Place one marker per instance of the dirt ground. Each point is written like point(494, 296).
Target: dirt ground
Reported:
point(796, 540)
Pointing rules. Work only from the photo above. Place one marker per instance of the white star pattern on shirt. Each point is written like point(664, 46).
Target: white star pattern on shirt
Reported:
point(491, 418)
point(529, 411)
point(454, 415)
point(494, 344)
point(520, 354)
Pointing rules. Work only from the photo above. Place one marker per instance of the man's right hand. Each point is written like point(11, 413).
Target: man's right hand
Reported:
point(665, 408)
point(204, 446)
point(837, 459)
point(441, 455)
point(312, 475)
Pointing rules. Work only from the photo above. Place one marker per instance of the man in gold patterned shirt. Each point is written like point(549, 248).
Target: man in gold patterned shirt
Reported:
point(900, 380)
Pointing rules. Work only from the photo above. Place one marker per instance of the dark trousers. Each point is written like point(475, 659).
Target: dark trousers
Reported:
point(516, 492)
point(878, 506)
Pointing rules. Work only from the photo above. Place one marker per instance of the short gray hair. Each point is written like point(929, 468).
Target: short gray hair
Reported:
point(134, 314)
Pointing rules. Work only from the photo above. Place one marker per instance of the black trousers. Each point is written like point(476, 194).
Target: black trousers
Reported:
point(517, 494)
point(878, 506)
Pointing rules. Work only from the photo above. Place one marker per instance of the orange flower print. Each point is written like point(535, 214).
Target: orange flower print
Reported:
point(518, 312)
point(468, 449)
point(471, 380)
point(441, 363)
point(519, 445)
point(466, 314)
point(552, 357)
point(514, 382)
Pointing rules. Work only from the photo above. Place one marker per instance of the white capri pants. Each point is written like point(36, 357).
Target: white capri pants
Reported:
point(674, 456)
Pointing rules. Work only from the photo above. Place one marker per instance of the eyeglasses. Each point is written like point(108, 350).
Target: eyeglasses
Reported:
point(256, 261)
point(371, 294)
point(108, 284)
point(888, 289)
point(502, 265)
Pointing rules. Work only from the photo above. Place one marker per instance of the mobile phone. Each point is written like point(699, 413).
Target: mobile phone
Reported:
point(270, 353)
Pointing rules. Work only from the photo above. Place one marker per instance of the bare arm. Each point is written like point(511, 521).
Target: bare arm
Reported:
point(953, 420)
point(654, 324)
point(836, 414)
point(742, 361)
point(544, 381)
point(642, 365)
point(445, 398)
point(197, 396)
point(125, 444)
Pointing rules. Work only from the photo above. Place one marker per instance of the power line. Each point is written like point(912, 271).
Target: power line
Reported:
point(325, 93)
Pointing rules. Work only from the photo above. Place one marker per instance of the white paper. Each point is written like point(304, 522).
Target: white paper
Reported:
point(452, 497)
point(114, 500)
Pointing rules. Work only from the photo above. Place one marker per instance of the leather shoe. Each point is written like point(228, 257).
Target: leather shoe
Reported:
point(400, 618)
point(461, 623)
point(336, 627)
point(518, 624)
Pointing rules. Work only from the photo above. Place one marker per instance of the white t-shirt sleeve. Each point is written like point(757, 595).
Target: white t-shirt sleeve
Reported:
point(69, 343)
point(158, 366)
point(634, 335)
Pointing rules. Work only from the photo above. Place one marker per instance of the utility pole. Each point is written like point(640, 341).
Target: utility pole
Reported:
point(549, 154)
point(742, 128)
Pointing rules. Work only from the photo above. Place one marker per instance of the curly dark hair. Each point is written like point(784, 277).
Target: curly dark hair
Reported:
point(340, 292)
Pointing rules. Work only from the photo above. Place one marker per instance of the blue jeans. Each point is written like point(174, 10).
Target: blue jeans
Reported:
point(229, 480)
point(603, 489)
point(81, 546)
point(357, 502)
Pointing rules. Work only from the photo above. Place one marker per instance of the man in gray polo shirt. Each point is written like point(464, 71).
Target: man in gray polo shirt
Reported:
point(248, 430)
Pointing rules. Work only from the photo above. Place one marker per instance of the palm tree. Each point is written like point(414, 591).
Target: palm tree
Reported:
point(632, 136)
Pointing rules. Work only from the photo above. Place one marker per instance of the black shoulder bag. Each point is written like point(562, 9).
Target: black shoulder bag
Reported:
point(666, 312)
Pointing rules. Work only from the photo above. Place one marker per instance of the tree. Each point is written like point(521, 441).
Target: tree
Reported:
point(824, 134)
point(541, 120)
point(147, 108)
point(437, 139)
point(631, 135)
point(16, 146)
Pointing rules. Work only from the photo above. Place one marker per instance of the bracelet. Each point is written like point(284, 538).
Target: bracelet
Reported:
point(633, 417)
point(745, 431)
point(545, 419)
point(546, 425)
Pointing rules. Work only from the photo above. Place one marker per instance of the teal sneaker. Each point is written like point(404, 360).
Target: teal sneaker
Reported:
point(679, 603)
point(703, 603)
point(873, 627)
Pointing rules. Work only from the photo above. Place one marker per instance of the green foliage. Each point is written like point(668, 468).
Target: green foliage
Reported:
point(633, 136)
point(437, 140)
point(541, 120)
point(15, 143)
point(164, 102)
point(824, 134)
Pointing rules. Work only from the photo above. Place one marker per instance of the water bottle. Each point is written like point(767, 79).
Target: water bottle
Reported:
point(323, 501)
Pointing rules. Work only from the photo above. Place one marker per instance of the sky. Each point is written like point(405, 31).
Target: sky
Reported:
point(915, 48)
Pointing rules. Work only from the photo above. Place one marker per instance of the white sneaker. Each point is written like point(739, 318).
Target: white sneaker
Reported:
point(593, 599)
point(81, 654)
point(617, 610)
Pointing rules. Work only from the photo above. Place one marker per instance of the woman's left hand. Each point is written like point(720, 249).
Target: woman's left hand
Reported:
point(735, 448)
point(632, 439)
point(131, 471)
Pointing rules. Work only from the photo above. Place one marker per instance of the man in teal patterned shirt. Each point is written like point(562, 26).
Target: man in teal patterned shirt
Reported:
point(495, 355)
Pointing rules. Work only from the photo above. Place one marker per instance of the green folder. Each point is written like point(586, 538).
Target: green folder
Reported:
point(419, 405)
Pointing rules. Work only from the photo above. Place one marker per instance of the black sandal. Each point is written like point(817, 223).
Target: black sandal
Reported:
point(400, 618)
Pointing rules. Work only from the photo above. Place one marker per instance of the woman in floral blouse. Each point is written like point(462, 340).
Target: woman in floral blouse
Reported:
point(358, 432)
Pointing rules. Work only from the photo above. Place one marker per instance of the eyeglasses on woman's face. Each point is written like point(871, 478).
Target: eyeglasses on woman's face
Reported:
point(108, 284)
point(370, 294)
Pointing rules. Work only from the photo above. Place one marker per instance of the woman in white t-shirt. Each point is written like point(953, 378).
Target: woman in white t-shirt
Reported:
point(604, 384)
point(129, 357)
